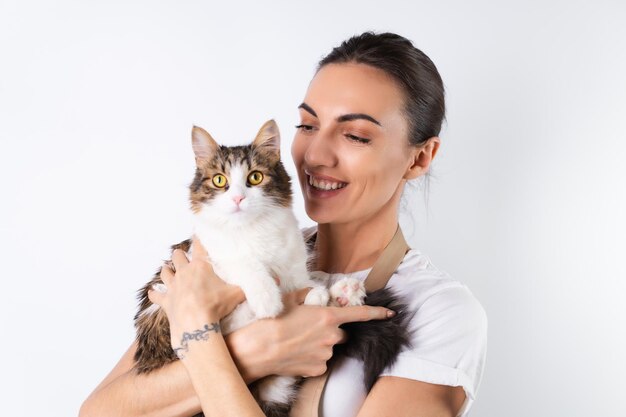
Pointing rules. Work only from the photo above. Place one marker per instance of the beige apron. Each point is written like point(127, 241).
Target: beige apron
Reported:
point(308, 402)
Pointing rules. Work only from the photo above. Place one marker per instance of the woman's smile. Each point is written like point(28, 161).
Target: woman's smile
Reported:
point(323, 186)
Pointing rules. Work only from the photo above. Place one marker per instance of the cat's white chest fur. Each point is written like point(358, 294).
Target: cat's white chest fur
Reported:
point(252, 255)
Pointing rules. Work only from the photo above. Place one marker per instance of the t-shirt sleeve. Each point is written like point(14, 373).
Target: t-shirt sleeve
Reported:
point(449, 342)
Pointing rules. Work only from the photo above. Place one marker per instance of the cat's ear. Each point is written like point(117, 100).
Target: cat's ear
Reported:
point(268, 140)
point(204, 146)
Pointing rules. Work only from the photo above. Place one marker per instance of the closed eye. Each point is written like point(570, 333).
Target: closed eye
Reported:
point(357, 138)
point(305, 128)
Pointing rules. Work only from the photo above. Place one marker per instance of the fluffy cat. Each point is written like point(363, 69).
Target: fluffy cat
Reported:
point(241, 199)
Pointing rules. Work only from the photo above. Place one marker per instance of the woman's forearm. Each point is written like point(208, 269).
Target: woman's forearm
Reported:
point(254, 355)
point(166, 392)
point(215, 377)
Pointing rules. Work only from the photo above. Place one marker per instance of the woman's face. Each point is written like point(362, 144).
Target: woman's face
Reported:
point(351, 149)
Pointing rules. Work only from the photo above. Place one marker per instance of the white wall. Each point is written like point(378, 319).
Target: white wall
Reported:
point(526, 204)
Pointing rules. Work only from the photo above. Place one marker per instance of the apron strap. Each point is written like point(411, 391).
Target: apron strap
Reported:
point(310, 394)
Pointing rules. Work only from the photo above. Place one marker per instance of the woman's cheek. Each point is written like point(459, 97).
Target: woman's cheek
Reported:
point(296, 151)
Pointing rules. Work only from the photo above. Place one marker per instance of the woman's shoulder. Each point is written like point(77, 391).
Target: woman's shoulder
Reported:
point(449, 327)
point(423, 285)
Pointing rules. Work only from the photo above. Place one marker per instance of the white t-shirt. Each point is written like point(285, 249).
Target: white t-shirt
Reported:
point(449, 339)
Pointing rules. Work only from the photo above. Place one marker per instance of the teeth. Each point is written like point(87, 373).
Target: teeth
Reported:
point(325, 185)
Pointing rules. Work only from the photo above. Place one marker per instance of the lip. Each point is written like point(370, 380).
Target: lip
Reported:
point(313, 192)
point(322, 177)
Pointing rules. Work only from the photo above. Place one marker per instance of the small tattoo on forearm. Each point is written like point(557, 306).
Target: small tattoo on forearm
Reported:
point(200, 334)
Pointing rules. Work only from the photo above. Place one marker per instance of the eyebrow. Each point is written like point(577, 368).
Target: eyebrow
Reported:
point(308, 108)
point(344, 117)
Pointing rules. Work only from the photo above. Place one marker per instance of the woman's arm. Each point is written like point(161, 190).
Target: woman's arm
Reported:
point(297, 343)
point(449, 346)
point(402, 397)
point(166, 391)
point(215, 378)
point(262, 348)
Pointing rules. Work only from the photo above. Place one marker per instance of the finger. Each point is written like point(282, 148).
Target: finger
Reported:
point(169, 265)
point(361, 313)
point(166, 274)
point(156, 297)
point(294, 298)
point(301, 294)
point(238, 295)
point(159, 287)
point(197, 250)
point(343, 338)
point(179, 259)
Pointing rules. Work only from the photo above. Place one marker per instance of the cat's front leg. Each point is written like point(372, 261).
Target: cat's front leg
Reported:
point(300, 278)
point(318, 296)
point(261, 290)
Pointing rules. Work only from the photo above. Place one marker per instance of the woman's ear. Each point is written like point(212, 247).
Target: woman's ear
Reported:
point(421, 157)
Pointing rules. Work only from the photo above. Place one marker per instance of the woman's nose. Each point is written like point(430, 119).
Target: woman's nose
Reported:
point(320, 151)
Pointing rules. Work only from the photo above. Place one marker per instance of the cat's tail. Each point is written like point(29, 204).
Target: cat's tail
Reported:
point(378, 342)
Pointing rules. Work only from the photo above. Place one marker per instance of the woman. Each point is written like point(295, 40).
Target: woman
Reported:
point(369, 123)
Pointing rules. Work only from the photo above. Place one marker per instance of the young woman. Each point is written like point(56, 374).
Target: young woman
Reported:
point(370, 121)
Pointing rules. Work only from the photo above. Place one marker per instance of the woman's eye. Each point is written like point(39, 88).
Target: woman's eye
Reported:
point(305, 128)
point(357, 138)
point(219, 181)
point(255, 178)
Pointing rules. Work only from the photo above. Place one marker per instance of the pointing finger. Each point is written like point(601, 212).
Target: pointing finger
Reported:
point(361, 313)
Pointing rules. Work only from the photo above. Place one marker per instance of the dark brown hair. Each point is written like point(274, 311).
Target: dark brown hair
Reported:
point(414, 72)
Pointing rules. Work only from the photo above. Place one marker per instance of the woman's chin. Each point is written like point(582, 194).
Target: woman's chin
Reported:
point(320, 215)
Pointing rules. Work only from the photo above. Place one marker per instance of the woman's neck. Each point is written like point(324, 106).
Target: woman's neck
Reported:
point(354, 246)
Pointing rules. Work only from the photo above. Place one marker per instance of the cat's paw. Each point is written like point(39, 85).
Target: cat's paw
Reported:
point(318, 296)
point(266, 304)
point(347, 292)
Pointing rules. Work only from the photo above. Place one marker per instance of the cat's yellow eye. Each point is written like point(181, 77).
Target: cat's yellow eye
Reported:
point(255, 178)
point(219, 181)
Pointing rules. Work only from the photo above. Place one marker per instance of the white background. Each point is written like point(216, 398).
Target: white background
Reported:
point(526, 204)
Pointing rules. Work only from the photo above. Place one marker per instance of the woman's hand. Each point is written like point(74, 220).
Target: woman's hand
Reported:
point(297, 343)
point(195, 295)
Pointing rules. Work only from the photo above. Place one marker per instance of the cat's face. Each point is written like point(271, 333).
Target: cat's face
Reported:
point(237, 184)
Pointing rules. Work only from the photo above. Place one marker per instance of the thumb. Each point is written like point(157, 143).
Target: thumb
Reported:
point(197, 250)
point(297, 297)
point(239, 295)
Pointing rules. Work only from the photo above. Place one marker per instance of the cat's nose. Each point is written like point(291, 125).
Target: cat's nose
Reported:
point(237, 199)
